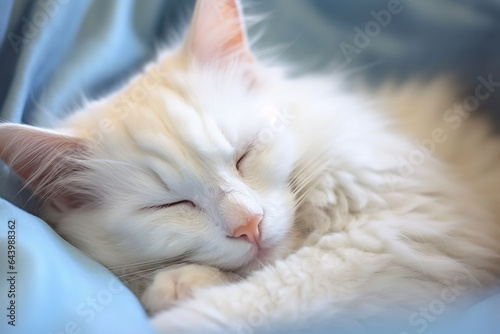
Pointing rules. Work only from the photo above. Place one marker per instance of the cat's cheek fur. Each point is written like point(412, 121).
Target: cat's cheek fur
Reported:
point(277, 224)
point(173, 232)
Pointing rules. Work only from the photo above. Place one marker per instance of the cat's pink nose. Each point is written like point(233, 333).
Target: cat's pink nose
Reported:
point(250, 230)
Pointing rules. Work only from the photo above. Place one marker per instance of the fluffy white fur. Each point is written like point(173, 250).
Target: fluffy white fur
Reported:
point(347, 232)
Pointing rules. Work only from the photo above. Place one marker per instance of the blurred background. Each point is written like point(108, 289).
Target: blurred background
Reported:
point(54, 52)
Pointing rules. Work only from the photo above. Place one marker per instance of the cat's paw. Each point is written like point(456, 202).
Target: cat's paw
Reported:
point(178, 284)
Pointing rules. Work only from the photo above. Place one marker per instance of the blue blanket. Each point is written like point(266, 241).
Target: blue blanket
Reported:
point(55, 52)
point(53, 288)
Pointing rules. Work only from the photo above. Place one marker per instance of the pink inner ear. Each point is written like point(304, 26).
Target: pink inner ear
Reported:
point(218, 32)
point(228, 10)
point(29, 151)
point(42, 158)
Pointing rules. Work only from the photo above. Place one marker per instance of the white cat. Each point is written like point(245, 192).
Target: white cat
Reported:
point(280, 200)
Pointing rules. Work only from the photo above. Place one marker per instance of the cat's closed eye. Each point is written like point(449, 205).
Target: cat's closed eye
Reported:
point(168, 205)
point(240, 161)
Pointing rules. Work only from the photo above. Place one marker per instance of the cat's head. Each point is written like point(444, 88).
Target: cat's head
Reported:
point(192, 157)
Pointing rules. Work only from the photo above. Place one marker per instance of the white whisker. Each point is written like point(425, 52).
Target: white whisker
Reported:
point(304, 169)
point(320, 166)
point(302, 198)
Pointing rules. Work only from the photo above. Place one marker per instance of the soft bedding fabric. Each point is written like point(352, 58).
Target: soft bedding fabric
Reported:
point(56, 288)
point(55, 52)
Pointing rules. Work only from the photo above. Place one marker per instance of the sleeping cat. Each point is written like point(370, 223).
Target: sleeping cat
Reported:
point(231, 197)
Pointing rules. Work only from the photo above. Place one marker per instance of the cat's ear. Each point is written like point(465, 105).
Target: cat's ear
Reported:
point(217, 32)
point(44, 159)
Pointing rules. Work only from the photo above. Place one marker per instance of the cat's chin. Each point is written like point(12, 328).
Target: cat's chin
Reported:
point(258, 257)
